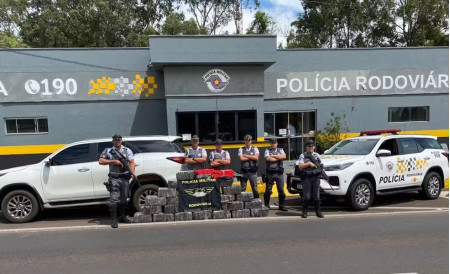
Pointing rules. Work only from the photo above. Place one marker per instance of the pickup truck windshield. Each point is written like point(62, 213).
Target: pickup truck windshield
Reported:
point(353, 147)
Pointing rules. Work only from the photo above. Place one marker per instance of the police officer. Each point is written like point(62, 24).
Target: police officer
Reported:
point(274, 162)
point(249, 155)
point(219, 159)
point(311, 182)
point(195, 155)
point(118, 178)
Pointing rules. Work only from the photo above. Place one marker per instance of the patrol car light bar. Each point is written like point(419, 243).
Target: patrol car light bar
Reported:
point(381, 131)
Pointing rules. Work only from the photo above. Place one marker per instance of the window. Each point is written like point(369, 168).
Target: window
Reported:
point(428, 143)
point(390, 145)
point(408, 146)
point(72, 155)
point(225, 125)
point(26, 125)
point(409, 114)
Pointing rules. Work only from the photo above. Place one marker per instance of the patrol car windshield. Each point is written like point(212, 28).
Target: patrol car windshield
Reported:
point(353, 147)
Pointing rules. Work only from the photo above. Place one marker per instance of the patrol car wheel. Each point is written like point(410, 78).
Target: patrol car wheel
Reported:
point(20, 206)
point(431, 186)
point(360, 195)
point(141, 193)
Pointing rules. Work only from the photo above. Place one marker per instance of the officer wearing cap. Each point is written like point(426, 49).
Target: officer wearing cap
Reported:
point(274, 168)
point(118, 178)
point(249, 155)
point(219, 159)
point(195, 155)
point(311, 182)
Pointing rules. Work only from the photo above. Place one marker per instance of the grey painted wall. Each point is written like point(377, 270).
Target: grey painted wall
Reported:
point(188, 80)
point(369, 113)
point(69, 122)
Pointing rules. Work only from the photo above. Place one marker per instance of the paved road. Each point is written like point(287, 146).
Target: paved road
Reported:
point(400, 243)
point(405, 202)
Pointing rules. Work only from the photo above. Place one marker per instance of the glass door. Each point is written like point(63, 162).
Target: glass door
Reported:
point(292, 129)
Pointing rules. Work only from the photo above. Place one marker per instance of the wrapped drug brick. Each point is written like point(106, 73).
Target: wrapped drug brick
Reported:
point(259, 212)
point(254, 203)
point(162, 201)
point(236, 189)
point(220, 214)
point(244, 196)
point(152, 209)
point(226, 190)
point(183, 216)
point(152, 200)
point(208, 214)
point(163, 217)
point(225, 206)
point(172, 201)
point(172, 184)
point(226, 198)
point(225, 181)
point(236, 205)
point(199, 215)
point(170, 209)
point(140, 217)
point(167, 192)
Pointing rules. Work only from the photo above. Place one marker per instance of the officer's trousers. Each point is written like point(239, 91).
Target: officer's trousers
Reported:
point(311, 188)
point(250, 176)
point(119, 190)
point(272, 178)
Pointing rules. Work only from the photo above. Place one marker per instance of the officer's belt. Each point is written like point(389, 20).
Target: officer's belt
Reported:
point(119, 175)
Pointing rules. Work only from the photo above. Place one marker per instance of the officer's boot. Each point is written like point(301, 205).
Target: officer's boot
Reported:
point(122, 214)
point(281, 201)
point(267, 201)
point(317, 209)
point(113, 213)
point(305, 208)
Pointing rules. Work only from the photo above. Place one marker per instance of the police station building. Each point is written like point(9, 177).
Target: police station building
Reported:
point(217, 87)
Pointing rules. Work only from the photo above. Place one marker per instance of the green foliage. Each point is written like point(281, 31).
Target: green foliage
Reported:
point(332, 133)
point(262, 24)
point(176, 25)
point(8, 40)
point(370, 23)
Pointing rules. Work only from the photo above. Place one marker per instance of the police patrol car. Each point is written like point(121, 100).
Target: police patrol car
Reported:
point(373, 164)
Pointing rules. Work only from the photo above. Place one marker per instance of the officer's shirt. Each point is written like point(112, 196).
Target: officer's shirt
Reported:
point(274, 165)
point(251, 151)
point(197, 153)
point(302, 159)
point(126, 152)
point(215, 155)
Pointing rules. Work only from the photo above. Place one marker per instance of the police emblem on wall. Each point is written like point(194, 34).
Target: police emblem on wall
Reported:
point(216, 80)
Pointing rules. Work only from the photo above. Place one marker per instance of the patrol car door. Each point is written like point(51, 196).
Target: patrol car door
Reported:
point(413, 161)
point(390, 172)
point(67, 175)
point(100, 172)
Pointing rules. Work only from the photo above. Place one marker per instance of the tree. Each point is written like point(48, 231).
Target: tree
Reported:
point(423, 23)
point(9, 40)
point(176, 25)
point(150, 13)
point(211, 14)
point(238, 7)
point(332, 132)
point(261, 24)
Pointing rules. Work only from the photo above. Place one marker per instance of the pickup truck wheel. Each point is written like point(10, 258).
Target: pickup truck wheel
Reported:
point(141, 193)
point(360, 195)
point(431, 186)
point(20, 206)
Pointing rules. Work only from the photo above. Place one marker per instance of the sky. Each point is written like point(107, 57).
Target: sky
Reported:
point(282, 11)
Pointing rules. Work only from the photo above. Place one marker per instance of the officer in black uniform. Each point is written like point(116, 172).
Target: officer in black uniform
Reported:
point(311, 182)
point(118, 179)
point(274, 162)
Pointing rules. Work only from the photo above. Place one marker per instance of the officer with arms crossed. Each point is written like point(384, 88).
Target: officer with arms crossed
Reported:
point(195, 155)
point(248, 155)
point(311, 182)
point(118, 178)
point(219, 159)
point(274, 162)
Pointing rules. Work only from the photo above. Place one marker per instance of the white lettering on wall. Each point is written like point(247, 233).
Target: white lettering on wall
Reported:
point(57, 86)
point(3, 89)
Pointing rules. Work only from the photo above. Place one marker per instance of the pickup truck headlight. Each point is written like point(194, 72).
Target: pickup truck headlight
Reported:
point(338, 167)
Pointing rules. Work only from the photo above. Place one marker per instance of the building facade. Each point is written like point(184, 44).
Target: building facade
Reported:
point(217, 87)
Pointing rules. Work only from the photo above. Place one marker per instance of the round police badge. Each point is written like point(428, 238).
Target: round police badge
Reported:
point(216, 80)
point(389, 166)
